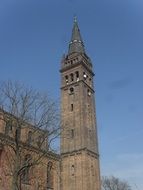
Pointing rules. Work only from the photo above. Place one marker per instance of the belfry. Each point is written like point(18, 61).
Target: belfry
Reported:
point(79, 143)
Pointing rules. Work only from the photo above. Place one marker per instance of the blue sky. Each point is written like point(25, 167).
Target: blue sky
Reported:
point(33, 37)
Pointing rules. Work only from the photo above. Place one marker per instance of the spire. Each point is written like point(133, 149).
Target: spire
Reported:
point(76, 43)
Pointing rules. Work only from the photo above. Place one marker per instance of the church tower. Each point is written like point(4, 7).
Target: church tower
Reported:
point(79, 146)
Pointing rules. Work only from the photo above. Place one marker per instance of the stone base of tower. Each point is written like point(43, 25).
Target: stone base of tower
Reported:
point(80, 171)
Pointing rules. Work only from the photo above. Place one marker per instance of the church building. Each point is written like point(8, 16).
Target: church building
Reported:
point(77, 165)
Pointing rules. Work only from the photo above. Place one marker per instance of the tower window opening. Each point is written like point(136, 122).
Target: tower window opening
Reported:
point(77, 75)
point(66, 79)
point(90, 81)
point(90, 133)
point(92, 170)
point(72, 77)
point(72, 170)
point(71, 107)
point(88, 92)
point(72, 133)
point(84, 75)
point(71, 90)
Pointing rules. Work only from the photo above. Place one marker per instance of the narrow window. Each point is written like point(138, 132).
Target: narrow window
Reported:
point(66, 79)
point(50, 175)
point(29, 138)
point(72, 77)
point(84, 75)
point(92, 170)
point(90, 81)
point(77, 75)
point(72, 133)
point(89, 92)
point(90, 133)
point(71, 107)
point(72, 170)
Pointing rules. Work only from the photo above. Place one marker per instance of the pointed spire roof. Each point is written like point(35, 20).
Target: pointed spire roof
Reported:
point(76, 43)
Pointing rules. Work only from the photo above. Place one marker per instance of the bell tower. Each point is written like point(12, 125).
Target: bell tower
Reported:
point(79, 144)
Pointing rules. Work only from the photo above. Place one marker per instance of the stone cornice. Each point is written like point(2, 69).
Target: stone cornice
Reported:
point(76, 84)
point(79, 151)
point(75, 65)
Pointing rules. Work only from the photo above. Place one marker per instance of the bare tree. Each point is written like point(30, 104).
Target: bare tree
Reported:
point(22, 108)
point(113, 183)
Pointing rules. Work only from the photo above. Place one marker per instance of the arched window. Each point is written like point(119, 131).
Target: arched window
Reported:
point(66, 79)
point(39, 141)
point(77, 75)
point(89, 92)
point(29, 138)
point(72, 77)
point(26, 171)
point(84, 75)
point(8, 127)
point(49, 176)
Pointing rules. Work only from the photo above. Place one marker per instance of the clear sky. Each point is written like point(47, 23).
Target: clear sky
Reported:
point(34, 34)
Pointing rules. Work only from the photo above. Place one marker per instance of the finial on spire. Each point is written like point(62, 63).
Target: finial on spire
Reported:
point(75, 18)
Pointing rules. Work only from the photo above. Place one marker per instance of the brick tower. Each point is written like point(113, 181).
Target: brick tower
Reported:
point(79, 146)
